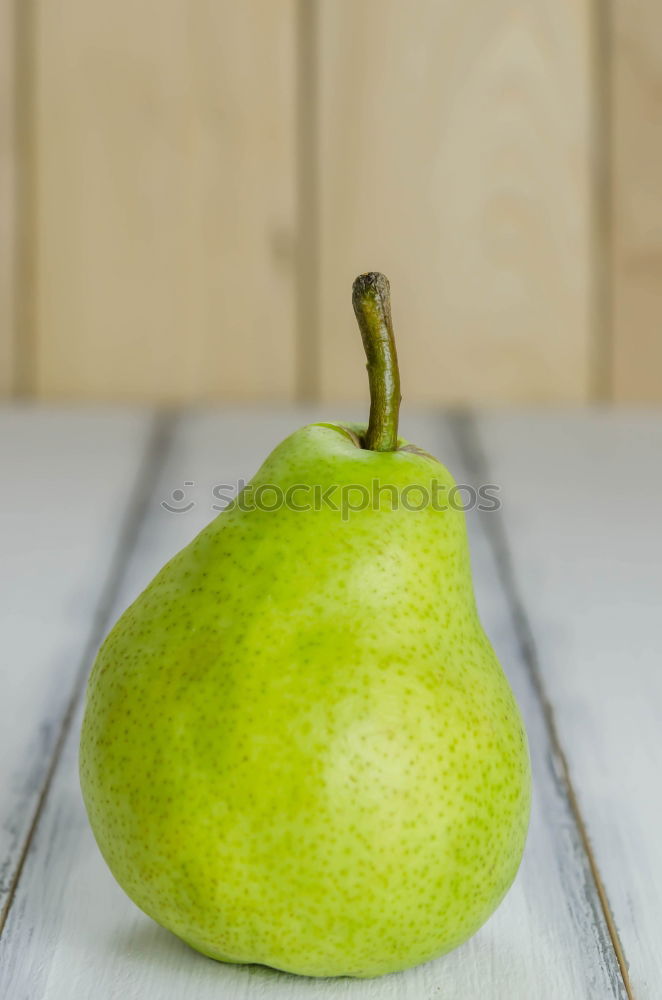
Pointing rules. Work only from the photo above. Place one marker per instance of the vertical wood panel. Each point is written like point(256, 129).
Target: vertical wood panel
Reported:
point(455, 156)
point(8, 155)
point(166, 198)
point(636, 132)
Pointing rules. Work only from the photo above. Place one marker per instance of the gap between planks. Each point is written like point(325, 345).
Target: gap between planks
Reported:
point(308, 222)
point(601, 388)
point(463, 427)
point(24, 263)
point(156, 450)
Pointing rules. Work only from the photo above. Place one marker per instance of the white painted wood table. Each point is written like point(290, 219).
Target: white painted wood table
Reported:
point(569, 583)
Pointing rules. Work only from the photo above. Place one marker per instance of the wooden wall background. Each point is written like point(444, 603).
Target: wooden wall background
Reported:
point(188, 187)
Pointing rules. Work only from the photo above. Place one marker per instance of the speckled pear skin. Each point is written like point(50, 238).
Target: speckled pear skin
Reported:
point(298, 746)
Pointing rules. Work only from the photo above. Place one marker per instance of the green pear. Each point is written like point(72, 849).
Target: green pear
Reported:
point(299, 748)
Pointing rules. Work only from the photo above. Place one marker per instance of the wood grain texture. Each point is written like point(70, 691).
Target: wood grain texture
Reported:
point(581, 514)
point(454, 148)
point(636, 199)
point(72, 933)
point(166, 194)
point(8, 169)
point(67, 478)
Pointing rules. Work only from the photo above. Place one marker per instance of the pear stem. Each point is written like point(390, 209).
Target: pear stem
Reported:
point(371, 299)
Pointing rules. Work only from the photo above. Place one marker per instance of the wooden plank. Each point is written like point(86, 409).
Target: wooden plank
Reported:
point(581, 514)
point(8, 168)
point(73, 934)
point(636, 198)
point(454, 155)
point(67, 476)
point(166, 193)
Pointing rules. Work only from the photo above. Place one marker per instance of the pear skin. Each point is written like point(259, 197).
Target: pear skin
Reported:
point(299, 748)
